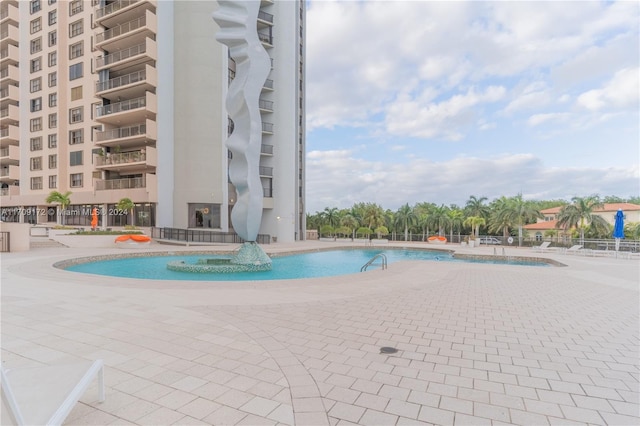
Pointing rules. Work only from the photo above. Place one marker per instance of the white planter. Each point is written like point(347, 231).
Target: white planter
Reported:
point(472, 243)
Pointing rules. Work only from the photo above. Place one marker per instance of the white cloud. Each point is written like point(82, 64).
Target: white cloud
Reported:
point(621, 92)
point(538, 119)
point(340, 179)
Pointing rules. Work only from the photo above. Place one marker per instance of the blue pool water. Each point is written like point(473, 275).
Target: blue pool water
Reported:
point(304, 265)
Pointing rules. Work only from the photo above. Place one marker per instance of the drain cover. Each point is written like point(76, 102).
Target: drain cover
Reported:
point(388, 350)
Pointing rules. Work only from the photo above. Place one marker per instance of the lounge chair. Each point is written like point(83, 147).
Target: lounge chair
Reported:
point(574, 249)
point(542, 247)
point(46, 395)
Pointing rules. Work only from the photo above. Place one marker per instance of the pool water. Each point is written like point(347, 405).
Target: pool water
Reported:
point(303, 265)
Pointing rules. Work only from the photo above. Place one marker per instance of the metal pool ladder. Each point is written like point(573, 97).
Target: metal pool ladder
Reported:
point(383, 263)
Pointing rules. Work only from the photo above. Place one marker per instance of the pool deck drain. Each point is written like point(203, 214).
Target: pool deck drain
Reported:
point(480, 343)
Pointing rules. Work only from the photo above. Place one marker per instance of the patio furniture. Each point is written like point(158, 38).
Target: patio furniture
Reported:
point(574, 249)
point(542, 247)
point(45, 395)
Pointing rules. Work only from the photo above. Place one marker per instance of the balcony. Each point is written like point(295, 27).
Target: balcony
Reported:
point(9, 135)
point(9, 13)
point(143, 188)
point(9, 115)
point(267, 128)
point(122, 11)
point(265, 106)
point(147, 51)
point(10, 155)
point(128, 33)
point(9, 75)
point(10, 191)
point(129, 111)
point(264, 19)
point(266, 38)
point(266, 149)
point(9, 55)
point(129, 85)
point(9, 35)
point(11, 92)
point(129, 136)
point(268, 85)
point(144, 159)
point(9, 173)
point(265, 171)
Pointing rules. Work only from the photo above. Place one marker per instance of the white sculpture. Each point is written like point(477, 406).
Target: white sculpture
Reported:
point(238, 31)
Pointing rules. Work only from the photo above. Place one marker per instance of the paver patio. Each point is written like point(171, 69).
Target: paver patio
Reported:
point(477, 343)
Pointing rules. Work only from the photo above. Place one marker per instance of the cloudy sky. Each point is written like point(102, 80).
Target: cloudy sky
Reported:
point(424, 101)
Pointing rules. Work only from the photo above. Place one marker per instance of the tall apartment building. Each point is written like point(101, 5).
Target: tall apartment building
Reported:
point(126, 99)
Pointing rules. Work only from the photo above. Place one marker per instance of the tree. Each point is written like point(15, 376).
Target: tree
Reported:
point(518, 212)
point(580, 213)
point(349, 221)
point(381, 231)
point(439, 218)
point(373, 216)
point(64, 200)
point(127, 205)
point(405, 217)
point(326, 231)
point(364, 231)
point(475, 222)
point(476, 207)
point(330, 216)
point(456, 218)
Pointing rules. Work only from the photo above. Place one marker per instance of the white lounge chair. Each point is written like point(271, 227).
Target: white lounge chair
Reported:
point(46, 395)
point(542, 247)
point(574, 249)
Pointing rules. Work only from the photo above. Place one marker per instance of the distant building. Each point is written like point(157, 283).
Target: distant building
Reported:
point(126, 99)
point(608, 212)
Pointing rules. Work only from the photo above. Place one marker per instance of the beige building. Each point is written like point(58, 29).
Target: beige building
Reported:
point(125, 99)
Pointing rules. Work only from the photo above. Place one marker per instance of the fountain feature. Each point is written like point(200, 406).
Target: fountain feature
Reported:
point(238, 31)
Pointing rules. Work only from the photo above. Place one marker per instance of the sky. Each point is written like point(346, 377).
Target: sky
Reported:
point(424, 101)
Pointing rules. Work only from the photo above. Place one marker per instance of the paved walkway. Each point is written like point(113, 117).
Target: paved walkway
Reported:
point(477, 343)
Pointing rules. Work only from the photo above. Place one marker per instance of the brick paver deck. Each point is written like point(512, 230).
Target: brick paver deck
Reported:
point(477, 343)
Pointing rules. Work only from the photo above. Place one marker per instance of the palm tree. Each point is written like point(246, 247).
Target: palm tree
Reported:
point(476, 207)
point(498, 221)
point(330, 215)
point(350, 222)
point(475, 222)
point(519, 212)
point(406, 217)
point(581, 212)
point(64, 200)
point(456, 218)
point(373, 216)
point(439, 218)
point(127, 205)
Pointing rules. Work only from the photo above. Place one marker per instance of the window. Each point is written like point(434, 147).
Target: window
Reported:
point(75, 28)
point(35, 104)
point(36, 144)
point(34, 6)
point(53, 141)
point(53, 59)
point(35, 124)
point(35, 85)
point(76, 137)
point(36, 182)
point(53, 38)
point(36, 25)
point(75, 115)
point(36, 163)
point(75, 158)
point(53, 161)
point(36, 45)
point(75, 7)
point(76, 50)
point(75, 71)
point(53, 79)
point(53, 17)
point(76, 93)
point(53, 120)
point(53, 99)
point(36, 64)
point(53, 181)
point(76, 180)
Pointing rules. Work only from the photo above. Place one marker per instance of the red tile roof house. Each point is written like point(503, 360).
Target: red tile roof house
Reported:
point(608, 212)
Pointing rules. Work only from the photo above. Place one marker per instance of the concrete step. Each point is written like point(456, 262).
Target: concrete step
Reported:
point(45, 243)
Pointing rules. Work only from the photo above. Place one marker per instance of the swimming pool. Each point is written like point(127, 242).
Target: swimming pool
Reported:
point(294, 266)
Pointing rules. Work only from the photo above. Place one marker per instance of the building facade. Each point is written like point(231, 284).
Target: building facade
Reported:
point(126, 99)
